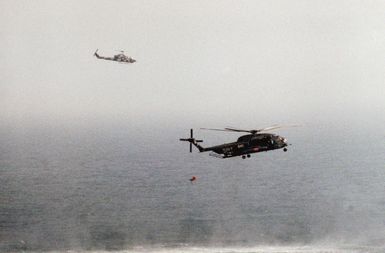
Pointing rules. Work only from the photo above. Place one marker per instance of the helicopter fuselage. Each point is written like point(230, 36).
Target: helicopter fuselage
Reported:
point(118, 58)
point(247, 144)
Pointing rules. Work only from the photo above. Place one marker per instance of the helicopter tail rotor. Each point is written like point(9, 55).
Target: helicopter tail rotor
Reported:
point(192, 140)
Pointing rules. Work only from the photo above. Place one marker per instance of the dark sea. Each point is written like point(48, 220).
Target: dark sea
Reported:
point(127, 189)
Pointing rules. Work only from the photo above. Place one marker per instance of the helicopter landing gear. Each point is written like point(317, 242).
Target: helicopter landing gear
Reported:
point(243, 157)
point(284, 149)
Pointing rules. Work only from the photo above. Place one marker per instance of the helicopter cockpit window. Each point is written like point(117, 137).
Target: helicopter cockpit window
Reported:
point(245, 138)
point(260, 140)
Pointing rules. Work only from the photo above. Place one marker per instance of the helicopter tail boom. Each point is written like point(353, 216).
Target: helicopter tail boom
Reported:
point(96, 53)
point(193, 141)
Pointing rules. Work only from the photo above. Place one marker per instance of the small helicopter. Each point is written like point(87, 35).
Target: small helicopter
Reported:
point(121, 58)
point(254, 142)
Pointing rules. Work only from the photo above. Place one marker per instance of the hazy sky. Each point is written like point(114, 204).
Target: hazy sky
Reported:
point(210, 63)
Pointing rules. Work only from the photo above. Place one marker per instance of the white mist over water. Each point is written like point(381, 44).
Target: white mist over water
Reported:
point(260, 249)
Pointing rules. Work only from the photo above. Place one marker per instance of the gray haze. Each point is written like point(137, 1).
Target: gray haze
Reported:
point(210, 63)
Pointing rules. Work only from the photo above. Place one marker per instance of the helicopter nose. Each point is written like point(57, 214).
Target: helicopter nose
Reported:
point(283, 142)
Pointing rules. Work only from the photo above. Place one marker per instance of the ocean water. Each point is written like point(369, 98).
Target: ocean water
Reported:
point(103, 189)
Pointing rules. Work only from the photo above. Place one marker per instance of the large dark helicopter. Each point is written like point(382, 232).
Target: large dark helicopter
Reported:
point(256, 141)
point(121, 58)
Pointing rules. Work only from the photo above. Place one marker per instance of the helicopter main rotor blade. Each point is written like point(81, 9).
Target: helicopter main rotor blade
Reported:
point(252, 131)
point(276, 127)
point(227, 129)
point(237, 130)
point(215, 129)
